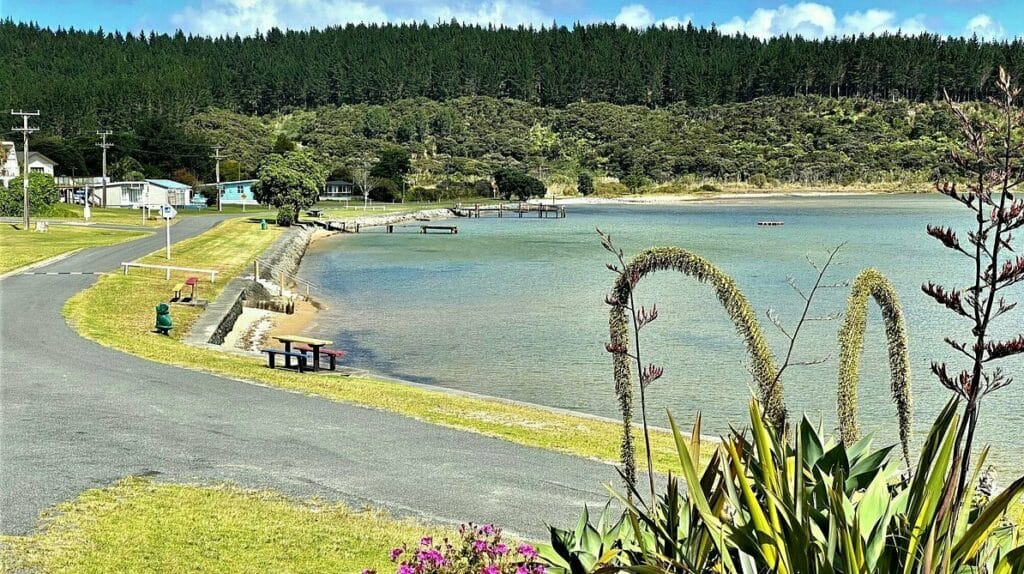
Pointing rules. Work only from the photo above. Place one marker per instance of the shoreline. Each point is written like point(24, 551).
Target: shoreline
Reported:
point(306, 312)
point(711, 197)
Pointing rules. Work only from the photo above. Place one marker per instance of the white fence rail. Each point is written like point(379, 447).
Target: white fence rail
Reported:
point(282, 276)
point(168, 268)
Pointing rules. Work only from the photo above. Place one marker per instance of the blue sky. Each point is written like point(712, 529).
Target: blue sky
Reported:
point(1000, 19)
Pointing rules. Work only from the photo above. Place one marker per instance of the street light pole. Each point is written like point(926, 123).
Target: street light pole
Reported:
point(25, 130)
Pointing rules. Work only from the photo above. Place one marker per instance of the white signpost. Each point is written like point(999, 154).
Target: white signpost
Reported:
point(168, 213)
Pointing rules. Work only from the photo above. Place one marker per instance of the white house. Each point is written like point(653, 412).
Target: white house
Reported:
point(149, 192)
point(10, 167)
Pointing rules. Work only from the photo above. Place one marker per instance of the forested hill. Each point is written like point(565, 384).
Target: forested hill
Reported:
point(83, 79)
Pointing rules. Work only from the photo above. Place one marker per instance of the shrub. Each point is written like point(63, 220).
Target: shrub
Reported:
point(800, 504)
point(482, 188)
point(384, 190)
point(285, 216)
point(479, 549)
point(59, 211)
point(585, 184)
point(758, 180)
point(516, 184)
point(42, 193)
point(610, 188)
point(419, 193)
point(709, 187)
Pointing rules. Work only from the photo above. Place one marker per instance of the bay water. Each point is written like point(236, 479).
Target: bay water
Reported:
point(515, 307)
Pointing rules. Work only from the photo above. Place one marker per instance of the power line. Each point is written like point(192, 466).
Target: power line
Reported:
point(25, 130)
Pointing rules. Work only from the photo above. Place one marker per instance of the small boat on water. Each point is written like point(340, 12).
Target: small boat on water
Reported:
point(771, 223)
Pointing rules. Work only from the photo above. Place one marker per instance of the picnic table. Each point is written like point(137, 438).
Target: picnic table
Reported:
point(314, 344)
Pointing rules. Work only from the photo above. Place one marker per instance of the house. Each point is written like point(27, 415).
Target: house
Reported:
point(149, 192)
point(338, 190)
point(10, 163)
point(177, 194)
point(232, 192)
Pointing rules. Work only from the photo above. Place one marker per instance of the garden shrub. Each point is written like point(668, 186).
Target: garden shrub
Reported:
point(758, 180)
point(482, 188)
point(42, 193)
point(611, 188)
point(478, 549)
point(709, 187)
point(59, 211)
point(285, 216)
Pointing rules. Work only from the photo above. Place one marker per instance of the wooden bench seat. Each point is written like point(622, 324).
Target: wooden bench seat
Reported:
point(332, 355)
point(177, 292)
point(302, 361)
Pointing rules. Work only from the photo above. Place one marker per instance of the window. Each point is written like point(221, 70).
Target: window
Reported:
point(36, 169)
point(134, 192)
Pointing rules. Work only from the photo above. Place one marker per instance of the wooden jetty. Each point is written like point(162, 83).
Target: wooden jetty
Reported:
point(449, 228)
point(502, 210)
point(771, 223)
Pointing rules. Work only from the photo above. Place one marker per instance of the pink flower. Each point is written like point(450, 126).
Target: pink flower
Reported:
point(492, 569)
point(527, 551)
point(487, 529)
point(538, 569)
point(426, 541)
point(395, 553)
point(522, 570)
point(500, 549)
point(406, 569)
point(479, 545)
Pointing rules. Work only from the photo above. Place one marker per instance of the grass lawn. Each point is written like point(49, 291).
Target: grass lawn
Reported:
point(20, 248)
point(138, 526)
point(118, 312)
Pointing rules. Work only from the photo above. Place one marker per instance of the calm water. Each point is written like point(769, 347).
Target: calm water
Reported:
point(514, 307)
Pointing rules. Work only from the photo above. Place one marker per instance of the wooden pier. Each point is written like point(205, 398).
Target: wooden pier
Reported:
point(771, 223)
point(502, 210)
point(427, 228)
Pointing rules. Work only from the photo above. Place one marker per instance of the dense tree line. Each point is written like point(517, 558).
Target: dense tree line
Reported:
point(83, 79)
point(424, 143)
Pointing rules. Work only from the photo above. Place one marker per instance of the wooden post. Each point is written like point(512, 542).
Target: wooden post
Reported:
point(280, 278)
point(256, 270)
point(167, 276)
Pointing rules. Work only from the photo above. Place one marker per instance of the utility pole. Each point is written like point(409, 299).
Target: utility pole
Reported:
point(25, 130)
point(218, 157)
point(103, 134)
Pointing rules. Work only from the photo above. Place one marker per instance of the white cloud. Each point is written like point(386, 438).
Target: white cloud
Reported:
point(639, 17)
point(985, 27)
point(217, 17)
point(220, 17)
point(495, 12)
point(813, 20)
point(635, 16)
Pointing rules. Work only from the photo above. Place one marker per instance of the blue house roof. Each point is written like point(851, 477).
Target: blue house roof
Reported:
point(168, 184)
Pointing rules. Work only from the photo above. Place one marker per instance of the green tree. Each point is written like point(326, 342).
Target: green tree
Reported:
point(126, 169)
point(293, 180)
point(516, 184)
point(42, 193)
point(585, 184)
point(283, 144)
point(393, 165)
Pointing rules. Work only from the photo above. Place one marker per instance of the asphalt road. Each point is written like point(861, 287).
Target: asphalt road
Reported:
point(76, 415)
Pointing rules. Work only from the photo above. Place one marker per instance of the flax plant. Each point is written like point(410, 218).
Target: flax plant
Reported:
point(991, 161)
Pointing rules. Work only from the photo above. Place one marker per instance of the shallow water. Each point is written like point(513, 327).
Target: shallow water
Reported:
point(515, 307)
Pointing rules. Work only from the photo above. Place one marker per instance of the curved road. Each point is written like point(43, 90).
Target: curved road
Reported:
point(76, 415)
